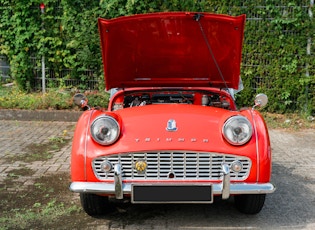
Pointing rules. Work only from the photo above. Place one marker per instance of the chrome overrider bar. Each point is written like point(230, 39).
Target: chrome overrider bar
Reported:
point(118, 182)
point(225, 182)
point(225, 188)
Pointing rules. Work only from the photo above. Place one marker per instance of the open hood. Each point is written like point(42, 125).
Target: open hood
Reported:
point(173, 49)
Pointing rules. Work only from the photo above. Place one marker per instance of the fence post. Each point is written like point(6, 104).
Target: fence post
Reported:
point(42, 9)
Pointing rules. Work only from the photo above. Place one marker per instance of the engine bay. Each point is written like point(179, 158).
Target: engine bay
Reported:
point(125, 99)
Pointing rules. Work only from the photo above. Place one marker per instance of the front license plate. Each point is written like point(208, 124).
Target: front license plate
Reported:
point(171, 194)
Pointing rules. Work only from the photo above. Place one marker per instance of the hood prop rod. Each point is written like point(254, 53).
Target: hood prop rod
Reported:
point(197, 18)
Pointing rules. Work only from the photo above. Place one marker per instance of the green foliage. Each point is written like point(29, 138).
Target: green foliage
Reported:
point(57, 99)
point(274, 54)
point(19, 33)
point(97, 99)
point(16, 98)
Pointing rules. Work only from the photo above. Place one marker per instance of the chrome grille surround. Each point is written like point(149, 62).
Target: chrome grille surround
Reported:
point(181, 164)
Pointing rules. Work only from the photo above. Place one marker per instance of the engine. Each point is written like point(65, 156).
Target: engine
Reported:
point(133, 99)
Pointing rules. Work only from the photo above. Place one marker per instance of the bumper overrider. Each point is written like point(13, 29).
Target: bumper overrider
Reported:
point(225, 188)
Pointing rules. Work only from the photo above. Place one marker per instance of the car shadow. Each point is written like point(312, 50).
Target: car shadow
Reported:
point(291, 205)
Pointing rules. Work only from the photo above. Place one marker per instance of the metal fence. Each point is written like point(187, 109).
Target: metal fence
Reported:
point(54, 79)
point(4, 70)
point(62, 78)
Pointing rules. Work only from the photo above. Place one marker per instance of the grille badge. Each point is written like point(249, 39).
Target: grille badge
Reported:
point(140, 166)
point(171, 125)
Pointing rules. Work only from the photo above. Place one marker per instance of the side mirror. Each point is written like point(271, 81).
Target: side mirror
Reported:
point(80, 100)
point(261, 100)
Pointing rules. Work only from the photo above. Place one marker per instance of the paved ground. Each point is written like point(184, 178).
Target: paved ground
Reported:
point(291, 206)
point(31, 137)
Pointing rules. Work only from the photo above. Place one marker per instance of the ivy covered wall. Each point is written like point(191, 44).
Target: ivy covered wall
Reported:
point(278, 52)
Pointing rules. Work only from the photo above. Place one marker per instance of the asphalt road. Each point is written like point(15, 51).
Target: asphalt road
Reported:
point(292, 206)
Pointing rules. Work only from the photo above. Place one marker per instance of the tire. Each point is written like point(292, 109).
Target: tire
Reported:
point(95, 205)
point(249, 203)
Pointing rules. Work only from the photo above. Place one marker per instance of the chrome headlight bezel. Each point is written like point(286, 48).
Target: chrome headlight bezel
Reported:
point(237, 130)
point(105, 130)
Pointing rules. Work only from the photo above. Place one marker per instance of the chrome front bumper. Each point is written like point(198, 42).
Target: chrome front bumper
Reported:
point(109, 188)
point(225, 188)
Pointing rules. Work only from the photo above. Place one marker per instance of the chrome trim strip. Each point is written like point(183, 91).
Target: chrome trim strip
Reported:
point(109, 188)
point(226, 182)
point(118, 182)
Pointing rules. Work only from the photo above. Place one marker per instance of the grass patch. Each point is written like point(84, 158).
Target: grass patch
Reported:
point(45, 204)
point(37, 215)
point(288, 121)
point(11, 181)
point(16, 173)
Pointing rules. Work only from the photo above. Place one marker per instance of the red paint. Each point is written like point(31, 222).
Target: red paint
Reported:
point(169, 49)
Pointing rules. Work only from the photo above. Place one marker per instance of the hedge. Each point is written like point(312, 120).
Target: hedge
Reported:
point(278, 52)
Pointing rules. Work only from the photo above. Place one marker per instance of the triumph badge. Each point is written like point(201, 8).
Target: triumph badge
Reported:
point(171, 125)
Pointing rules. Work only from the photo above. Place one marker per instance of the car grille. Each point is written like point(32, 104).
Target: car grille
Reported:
point(181, 165)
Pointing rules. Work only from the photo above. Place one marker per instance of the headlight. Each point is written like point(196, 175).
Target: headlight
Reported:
point(237, 130)
point(105, 130)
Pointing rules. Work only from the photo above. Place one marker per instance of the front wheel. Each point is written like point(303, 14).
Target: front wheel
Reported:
point(95, 205)
point(249, 203)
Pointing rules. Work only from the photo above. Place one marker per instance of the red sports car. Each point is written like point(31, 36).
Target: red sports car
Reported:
point(172, 132)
